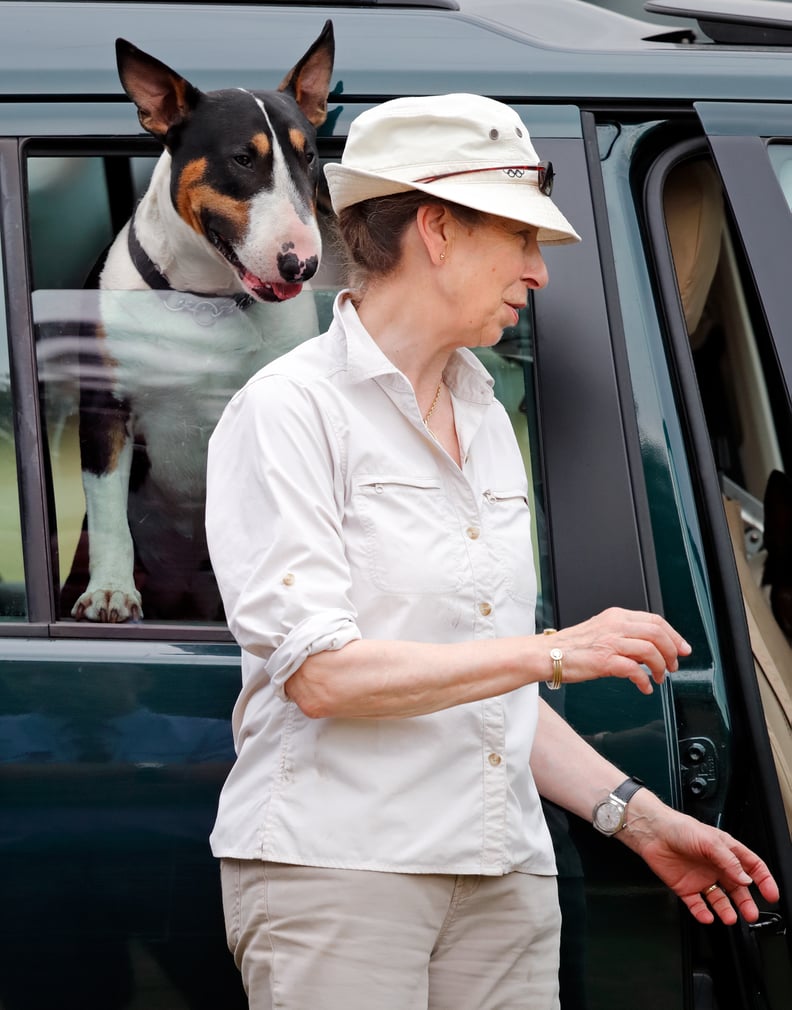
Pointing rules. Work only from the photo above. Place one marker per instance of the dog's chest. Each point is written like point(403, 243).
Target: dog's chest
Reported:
point(178, 359)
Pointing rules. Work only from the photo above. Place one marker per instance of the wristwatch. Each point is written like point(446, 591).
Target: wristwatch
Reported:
point(609, 814)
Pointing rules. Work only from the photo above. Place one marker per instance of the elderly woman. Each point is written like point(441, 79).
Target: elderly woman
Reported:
point(381, 833)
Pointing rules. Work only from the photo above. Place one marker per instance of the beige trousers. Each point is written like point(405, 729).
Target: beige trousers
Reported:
point(307, 938)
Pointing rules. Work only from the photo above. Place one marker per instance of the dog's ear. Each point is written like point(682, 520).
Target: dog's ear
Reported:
point(309, 81)
point(164, 99)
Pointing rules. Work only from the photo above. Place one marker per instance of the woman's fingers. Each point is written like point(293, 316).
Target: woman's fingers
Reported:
point(699, 908)
point(738, 867)
point(704, 908)
point(727, 905)
point(633, 645)
point(651, 630)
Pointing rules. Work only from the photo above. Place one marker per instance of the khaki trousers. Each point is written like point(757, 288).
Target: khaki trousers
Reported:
point(307, 938)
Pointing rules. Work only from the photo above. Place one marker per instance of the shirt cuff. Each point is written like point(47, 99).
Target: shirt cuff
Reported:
point(325, 632)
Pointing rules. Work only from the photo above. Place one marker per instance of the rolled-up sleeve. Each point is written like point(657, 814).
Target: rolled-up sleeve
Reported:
point(274, 504)
point(324, 632)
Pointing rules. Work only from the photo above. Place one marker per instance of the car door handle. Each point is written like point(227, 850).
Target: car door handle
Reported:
point(769, 923)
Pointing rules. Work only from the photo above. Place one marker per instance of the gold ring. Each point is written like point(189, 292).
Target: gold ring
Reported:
point(710, 889)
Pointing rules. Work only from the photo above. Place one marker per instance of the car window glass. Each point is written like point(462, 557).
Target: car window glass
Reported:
point(747, 419)
point(511, 365)
point(781, 160)
point(163, 342)
point(727, 336)
point(70, 225)
point(12, 580)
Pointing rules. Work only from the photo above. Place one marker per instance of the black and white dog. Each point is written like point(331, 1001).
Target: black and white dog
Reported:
point(197, 292)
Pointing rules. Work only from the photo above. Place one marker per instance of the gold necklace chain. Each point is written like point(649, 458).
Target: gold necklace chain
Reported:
point(434, 404)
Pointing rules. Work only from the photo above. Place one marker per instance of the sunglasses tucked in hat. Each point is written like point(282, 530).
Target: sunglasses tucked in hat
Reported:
point(472, 150)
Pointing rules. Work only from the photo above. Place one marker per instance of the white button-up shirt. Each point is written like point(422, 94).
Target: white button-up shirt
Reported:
point(333, 514)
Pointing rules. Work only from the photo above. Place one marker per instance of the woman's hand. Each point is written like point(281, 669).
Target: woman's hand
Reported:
point(630, 644)
point(690, 857)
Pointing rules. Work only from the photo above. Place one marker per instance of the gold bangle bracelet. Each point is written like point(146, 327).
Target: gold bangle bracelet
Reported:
point(557, 657)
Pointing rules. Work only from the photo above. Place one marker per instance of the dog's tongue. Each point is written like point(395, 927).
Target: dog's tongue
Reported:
point(284, 291)
point(270, 292)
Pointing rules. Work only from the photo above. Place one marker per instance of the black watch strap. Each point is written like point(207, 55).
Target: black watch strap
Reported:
point(628, 789)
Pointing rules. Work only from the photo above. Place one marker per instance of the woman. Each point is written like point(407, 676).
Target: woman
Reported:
point(381, 833)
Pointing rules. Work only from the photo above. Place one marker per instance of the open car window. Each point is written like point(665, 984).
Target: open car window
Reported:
point(184, 355)
point(748, 424)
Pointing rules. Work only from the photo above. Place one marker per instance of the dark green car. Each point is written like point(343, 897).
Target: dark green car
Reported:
point(649, 386)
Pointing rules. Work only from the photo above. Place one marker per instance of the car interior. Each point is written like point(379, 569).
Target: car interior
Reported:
point(738, 406)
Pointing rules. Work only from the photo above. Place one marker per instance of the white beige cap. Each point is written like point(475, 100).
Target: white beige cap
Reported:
point(472, 150)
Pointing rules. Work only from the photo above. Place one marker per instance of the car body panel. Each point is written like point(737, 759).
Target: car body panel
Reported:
point(77, 58)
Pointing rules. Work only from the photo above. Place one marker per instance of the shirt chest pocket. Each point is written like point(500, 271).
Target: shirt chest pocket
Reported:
point(506, 520)
point(411, 542)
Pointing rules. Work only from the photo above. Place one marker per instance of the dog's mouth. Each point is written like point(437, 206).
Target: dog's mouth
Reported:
point(264, 291)
point(275, 292)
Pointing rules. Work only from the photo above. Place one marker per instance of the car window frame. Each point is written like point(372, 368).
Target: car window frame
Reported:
point(31, 464)
point(750, 731)
point(738, 137)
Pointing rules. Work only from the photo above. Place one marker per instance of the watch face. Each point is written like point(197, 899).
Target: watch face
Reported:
point(608, 817)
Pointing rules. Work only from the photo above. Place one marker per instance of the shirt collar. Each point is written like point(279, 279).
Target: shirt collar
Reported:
point(464, 374)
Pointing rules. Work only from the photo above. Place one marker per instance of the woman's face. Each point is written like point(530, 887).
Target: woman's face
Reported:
point(491, 268)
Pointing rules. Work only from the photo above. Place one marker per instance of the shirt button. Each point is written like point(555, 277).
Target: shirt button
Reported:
point(485, 609)
point(288, 579)
point(494, 760)
point(473, 532)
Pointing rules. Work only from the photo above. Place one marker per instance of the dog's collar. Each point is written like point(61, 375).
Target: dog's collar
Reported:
point(156, 279)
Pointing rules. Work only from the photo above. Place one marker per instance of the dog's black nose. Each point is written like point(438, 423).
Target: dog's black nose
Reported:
point(294, 270)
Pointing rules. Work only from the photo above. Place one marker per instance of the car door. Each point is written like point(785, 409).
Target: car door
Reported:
point(712, 416)
point(600, 554)
point(114, 739)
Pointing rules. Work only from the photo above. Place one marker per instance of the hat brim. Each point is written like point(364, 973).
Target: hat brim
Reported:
point(515, 199)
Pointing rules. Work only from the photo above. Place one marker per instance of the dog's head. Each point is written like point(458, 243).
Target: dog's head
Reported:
point(244, 164)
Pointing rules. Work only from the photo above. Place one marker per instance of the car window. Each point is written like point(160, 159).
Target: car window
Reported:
point(727, 337)
point(748, 422)
point(12, 593)
point(511, 365)
point(91, 342)
point(781, 160)
point(70, 225)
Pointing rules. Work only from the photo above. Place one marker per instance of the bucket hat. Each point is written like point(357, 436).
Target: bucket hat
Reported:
point(468, 149)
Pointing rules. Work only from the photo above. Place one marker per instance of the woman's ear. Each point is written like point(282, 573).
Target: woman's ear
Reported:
point(435, 225)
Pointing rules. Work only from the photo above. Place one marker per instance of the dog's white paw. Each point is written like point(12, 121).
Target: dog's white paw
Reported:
point(108, 606)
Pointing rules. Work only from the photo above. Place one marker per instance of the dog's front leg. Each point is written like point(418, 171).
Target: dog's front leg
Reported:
point(111, 595)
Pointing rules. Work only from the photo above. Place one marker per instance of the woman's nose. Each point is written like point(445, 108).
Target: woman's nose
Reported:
point(535, 275)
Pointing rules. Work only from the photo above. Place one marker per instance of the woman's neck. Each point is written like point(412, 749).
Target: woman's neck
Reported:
point(400, 320)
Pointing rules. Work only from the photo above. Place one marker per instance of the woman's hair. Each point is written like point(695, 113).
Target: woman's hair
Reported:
point(372, 232)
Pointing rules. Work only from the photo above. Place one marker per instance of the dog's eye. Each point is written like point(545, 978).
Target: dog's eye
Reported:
point(244, 160)
point(310, 157)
